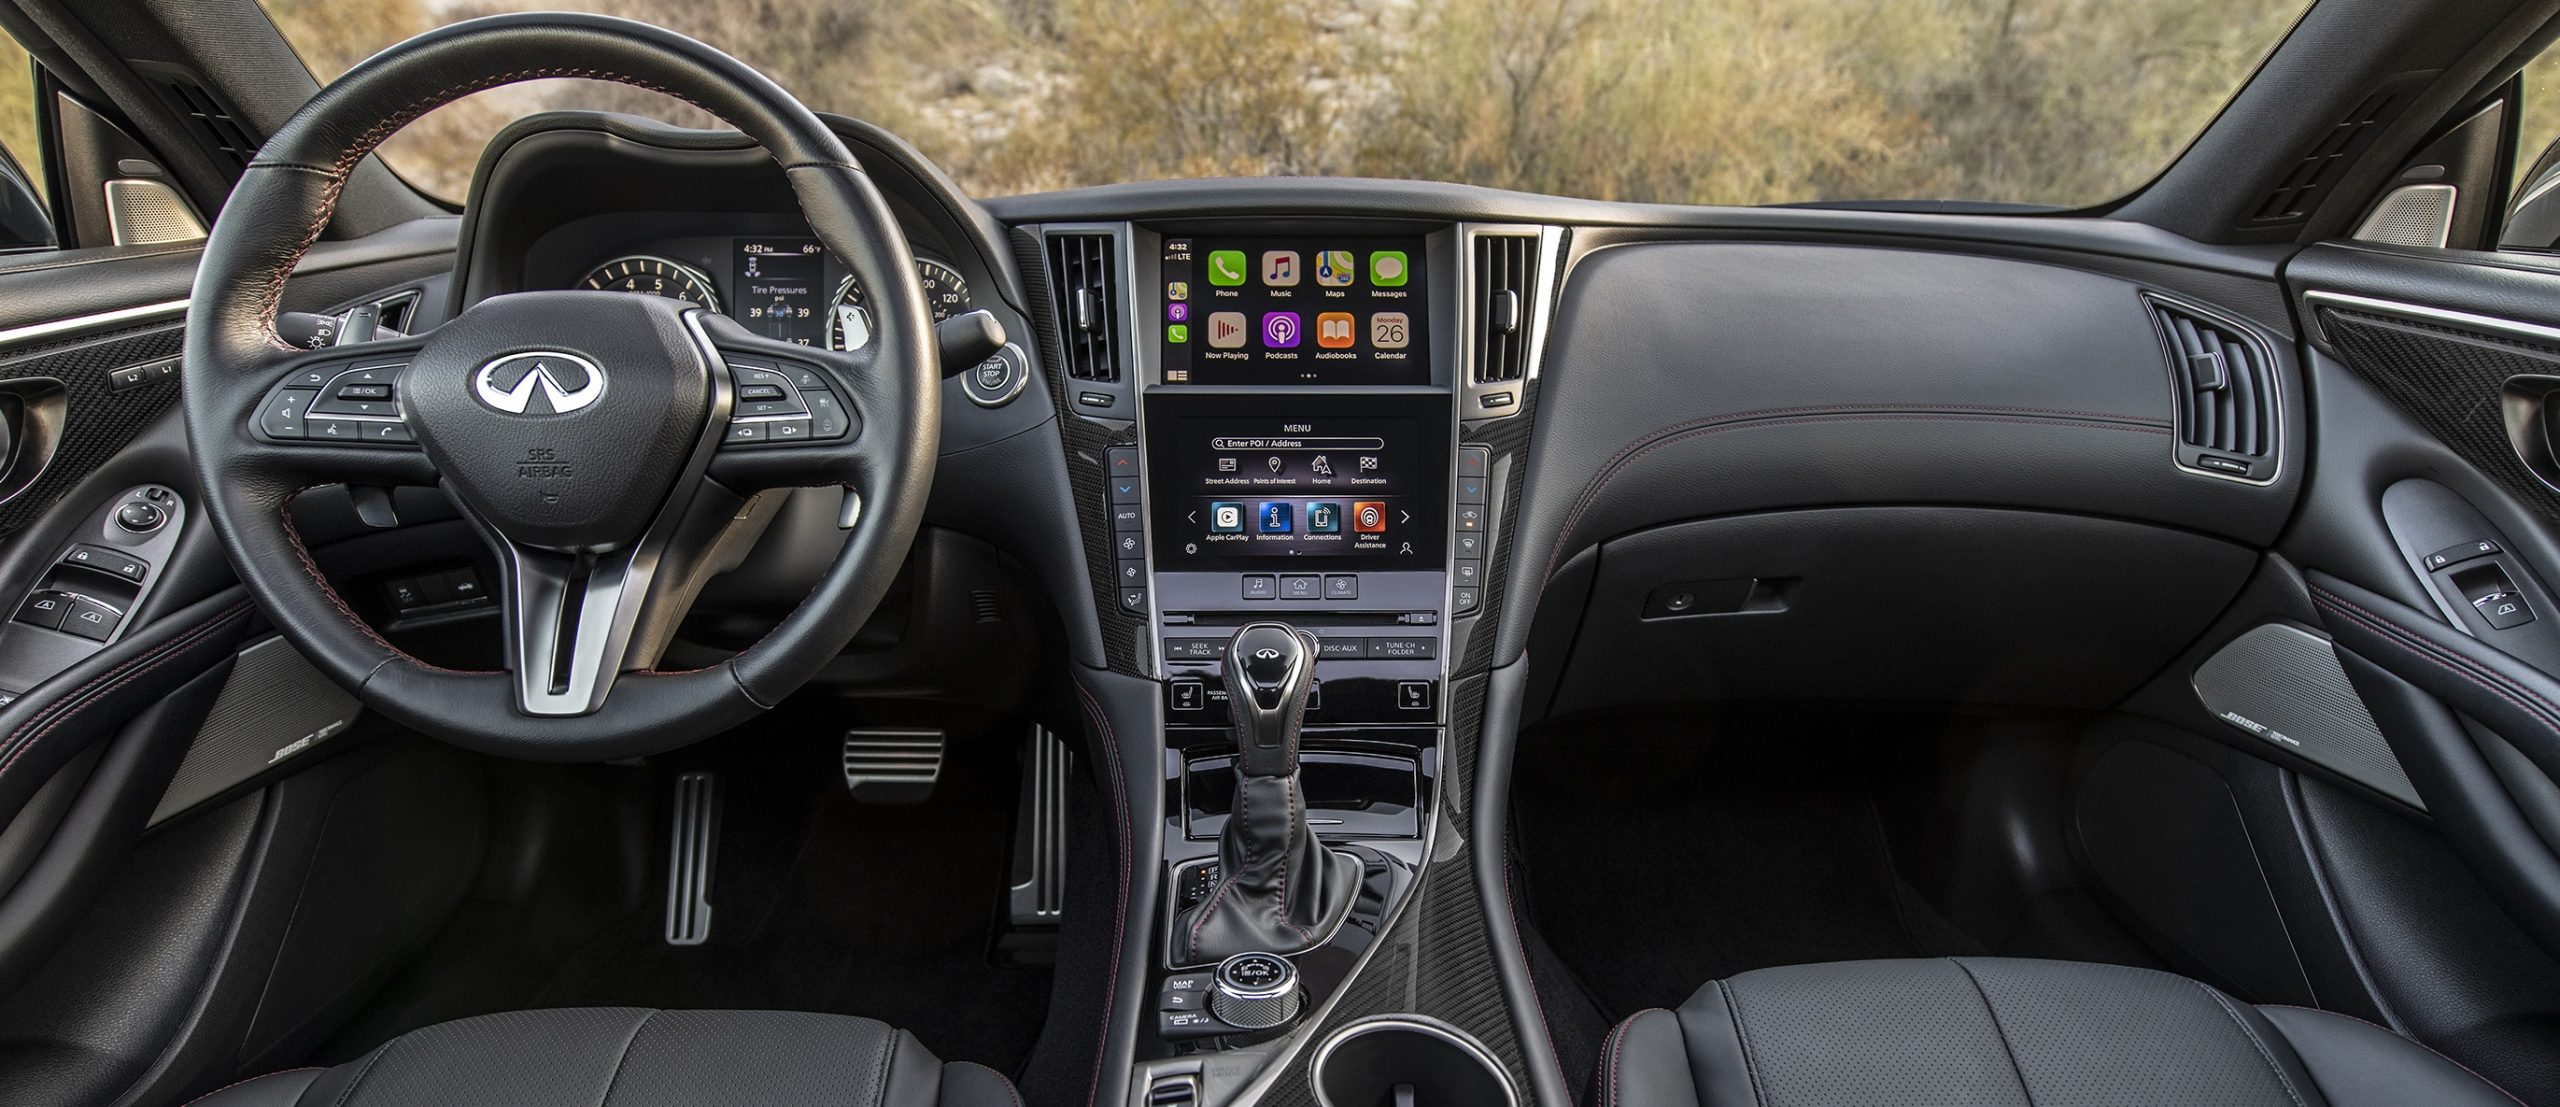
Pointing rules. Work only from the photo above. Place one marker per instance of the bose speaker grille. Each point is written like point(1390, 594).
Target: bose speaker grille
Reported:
point(2412, 215)
point(2285, 685)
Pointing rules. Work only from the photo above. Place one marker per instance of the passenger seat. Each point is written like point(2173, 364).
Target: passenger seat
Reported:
point(1988, 1032)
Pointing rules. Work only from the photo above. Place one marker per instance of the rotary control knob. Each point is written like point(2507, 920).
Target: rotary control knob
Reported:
point(1255, 991)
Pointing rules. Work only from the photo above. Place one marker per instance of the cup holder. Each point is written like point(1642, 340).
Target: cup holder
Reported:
point(1408, 1061)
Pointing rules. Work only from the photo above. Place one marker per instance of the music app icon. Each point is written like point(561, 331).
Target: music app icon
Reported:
point(1280, 268)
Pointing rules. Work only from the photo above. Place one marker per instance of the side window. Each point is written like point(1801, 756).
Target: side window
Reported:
point(23, 222)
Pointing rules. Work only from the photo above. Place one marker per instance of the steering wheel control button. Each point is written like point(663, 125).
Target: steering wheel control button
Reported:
point(1255, 991)
point(90, 619)
point(45, 609)
point(779, 404)
point(141, 517)
point(281, 416)
point(110, 562)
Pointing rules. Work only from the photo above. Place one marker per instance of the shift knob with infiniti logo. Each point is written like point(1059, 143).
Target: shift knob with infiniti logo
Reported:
point(1270, 668)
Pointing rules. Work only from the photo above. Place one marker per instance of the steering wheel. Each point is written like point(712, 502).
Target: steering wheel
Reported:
point(601, 441)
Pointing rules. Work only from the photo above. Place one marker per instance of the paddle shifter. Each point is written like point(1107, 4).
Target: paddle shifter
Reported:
point(1279, 889)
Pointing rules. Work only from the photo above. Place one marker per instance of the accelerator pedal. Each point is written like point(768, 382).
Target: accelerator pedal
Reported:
point(695, 841)
point(892, 765)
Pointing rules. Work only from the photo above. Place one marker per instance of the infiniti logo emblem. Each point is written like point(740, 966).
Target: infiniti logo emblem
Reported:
point(541, 383)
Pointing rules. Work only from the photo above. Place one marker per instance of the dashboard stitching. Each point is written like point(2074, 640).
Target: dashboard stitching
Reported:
point(1636, 450)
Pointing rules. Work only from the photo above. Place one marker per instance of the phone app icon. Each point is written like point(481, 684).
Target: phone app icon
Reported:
point(1226, 268)
point(1275, 516)
point(1227, 330)
point(1177, 290)
point(1324, 517)
point(1390, 330)
point(1387, 268)
point(1226, 517)
point(1177, 333)
point(1336, 268)
point(1369, 516)
point(1280, 330)
point(1280, 268)
point(1334, 330)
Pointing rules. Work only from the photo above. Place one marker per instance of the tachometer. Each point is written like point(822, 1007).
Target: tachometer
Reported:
point(946, 293)
point(655, 276)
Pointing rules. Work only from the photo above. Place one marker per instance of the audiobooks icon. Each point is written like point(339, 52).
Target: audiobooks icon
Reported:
point(1334, 330)
point(1227, 330)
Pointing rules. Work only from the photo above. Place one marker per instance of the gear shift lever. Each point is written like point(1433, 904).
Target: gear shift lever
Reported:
point(1279, 889)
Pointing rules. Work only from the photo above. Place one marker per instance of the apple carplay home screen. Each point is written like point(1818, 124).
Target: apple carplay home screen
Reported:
point(1308, 309)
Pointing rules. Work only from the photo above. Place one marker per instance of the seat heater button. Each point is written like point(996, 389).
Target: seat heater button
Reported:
point(1413, 695)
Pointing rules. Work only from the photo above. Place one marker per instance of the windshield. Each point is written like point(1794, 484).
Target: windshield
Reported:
point(2063, 103)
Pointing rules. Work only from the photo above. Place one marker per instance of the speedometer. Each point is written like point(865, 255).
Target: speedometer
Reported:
point(946, 293)
point(654, 276)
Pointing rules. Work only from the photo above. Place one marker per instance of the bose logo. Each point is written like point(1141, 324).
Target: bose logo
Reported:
point(543, 383)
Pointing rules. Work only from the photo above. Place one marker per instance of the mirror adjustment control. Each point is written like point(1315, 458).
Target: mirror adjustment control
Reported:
point(141, 517)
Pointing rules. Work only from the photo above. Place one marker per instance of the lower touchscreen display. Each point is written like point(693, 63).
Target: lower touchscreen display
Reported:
point(1244, 492)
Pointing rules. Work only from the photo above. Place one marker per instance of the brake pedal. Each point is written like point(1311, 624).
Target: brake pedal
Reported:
point(892, 766)
point(1039, 890)
point(695, 841)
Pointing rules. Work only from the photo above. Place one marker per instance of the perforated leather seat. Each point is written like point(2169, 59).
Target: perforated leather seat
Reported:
point(1991, 1032)
point(631, 1057)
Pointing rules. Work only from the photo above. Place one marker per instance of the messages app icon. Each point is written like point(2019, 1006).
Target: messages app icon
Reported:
point(1226, 268)
point(1386, 268)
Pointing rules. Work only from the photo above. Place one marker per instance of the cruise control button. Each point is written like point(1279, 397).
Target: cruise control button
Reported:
point(91, 620)
point(45, 609)
point(750, 393)
point(282, 415)
point(758, 408)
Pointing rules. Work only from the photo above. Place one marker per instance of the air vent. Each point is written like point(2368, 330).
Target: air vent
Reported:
point(2307, 184)
point(2228, 412)
point(213, 125)
point(1506, 272)
point(1083, 291)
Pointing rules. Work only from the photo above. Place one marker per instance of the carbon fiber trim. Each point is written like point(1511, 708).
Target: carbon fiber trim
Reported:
point(1125, 646)
point(2451, 381)
point(98, 421)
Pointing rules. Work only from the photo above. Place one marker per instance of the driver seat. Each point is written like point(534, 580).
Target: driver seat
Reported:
point(636, 1057)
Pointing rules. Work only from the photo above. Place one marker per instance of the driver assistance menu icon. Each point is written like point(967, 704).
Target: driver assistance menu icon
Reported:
point(1369, 516)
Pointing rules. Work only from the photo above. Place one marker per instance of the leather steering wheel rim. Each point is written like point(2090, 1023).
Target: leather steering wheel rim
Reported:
point(234, 360)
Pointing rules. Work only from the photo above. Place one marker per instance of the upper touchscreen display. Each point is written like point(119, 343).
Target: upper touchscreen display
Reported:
point(1300, 310)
